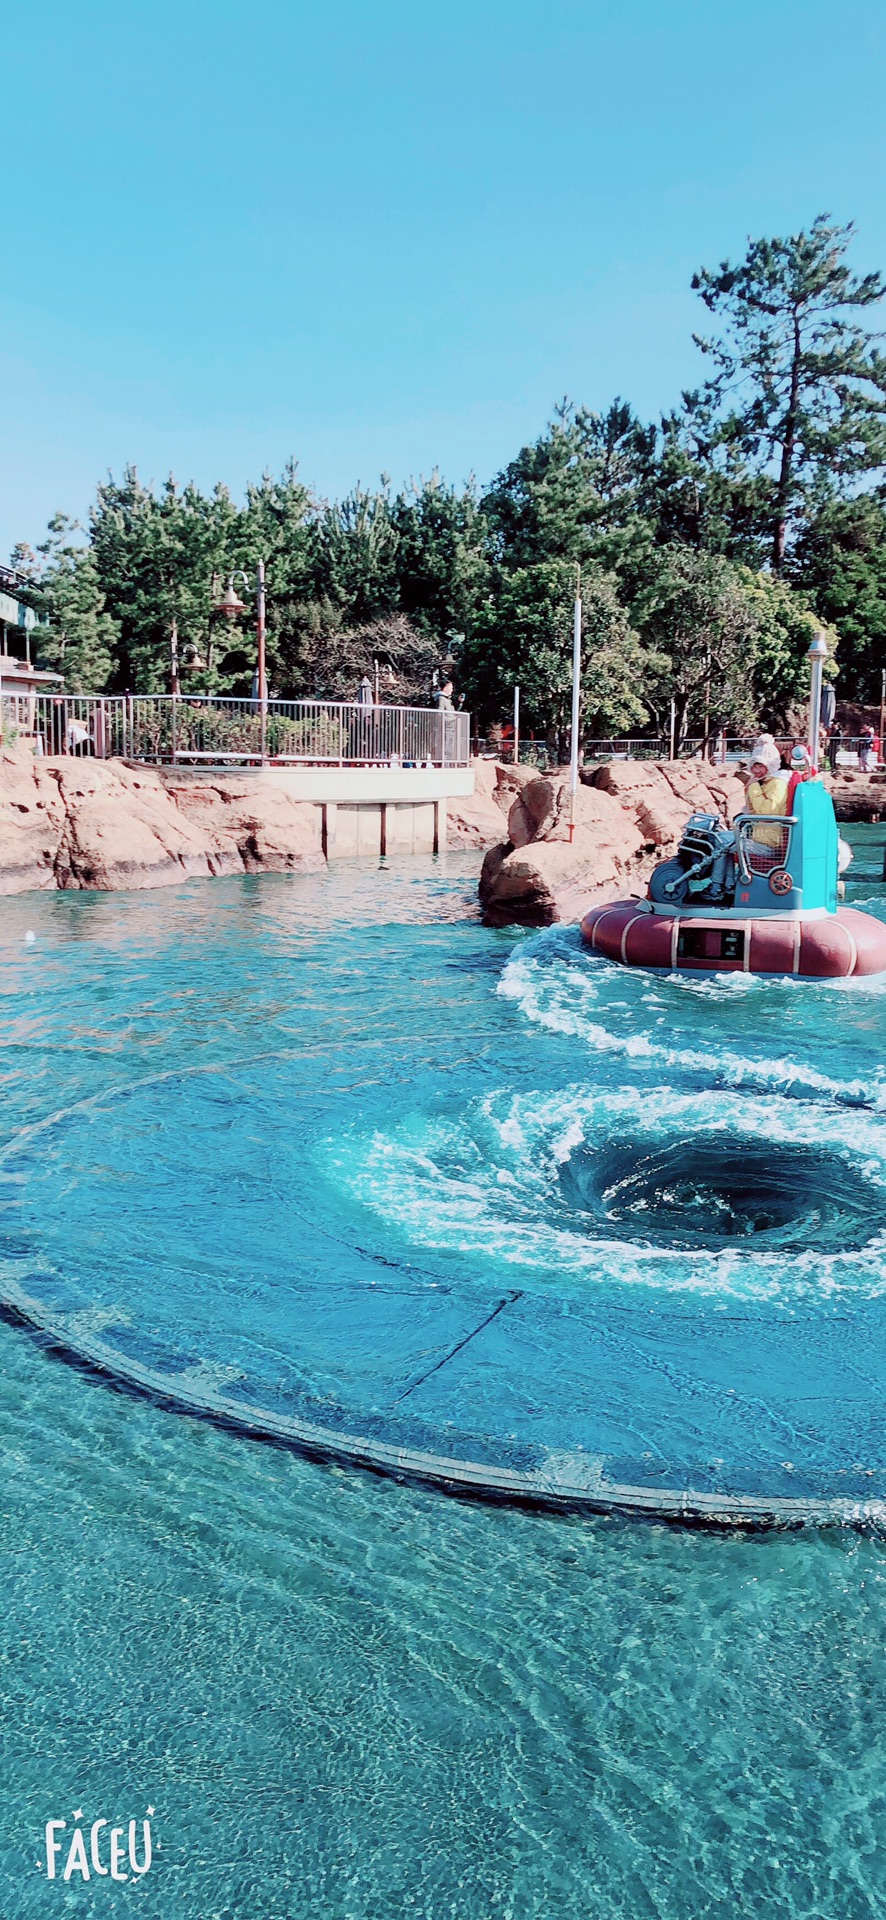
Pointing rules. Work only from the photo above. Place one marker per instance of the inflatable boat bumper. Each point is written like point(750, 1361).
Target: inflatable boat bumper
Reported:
point(818, 945)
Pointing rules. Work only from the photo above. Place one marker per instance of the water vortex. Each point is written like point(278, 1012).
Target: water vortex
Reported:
point(710, 1190)
point(563, 1226)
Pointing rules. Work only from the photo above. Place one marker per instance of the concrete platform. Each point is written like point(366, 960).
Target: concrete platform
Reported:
point(362, 810)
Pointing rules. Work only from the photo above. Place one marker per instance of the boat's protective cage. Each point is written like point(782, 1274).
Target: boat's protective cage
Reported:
point(770, 863)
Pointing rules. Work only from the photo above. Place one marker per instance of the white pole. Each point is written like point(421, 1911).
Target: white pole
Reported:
point(576, 701)
point(516, 726)
point(262, 671)
point(673, 725)
point(818, 653)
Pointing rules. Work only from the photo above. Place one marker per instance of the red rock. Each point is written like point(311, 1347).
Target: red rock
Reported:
point(477, 819)
point(509, 780)
point(628, 778)
point(73, 822)
point(249, 825)
point(121, 829)
point(549, 877)
point(31, 821)
point(535, 811)
point(661, 825)
point(634, 808)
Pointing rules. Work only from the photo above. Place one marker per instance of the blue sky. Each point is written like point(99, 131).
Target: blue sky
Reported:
point(390, 236)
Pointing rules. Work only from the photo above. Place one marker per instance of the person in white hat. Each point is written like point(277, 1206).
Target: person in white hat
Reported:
point(767, 791)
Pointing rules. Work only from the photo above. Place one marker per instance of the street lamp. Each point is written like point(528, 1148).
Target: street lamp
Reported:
point(231, 605)
point(576, 702)
point(817, 655)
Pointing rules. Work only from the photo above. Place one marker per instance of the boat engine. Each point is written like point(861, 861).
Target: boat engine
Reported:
point(703, 868)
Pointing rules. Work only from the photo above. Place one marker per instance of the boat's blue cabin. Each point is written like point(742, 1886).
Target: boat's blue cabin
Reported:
point(789, 864)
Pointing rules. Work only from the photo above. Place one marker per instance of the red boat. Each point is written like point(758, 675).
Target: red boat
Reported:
point(761, 897)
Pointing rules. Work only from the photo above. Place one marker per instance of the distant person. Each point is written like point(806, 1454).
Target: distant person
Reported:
point(767, 791)
point(867, 755)
point(801, 769)
point(444, 699)
point(835, 742)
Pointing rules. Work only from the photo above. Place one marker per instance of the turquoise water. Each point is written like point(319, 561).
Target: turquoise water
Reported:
point(302, 1137)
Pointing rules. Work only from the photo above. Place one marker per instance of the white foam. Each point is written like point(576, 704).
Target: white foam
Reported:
point(566, 999)
point(487, 1186)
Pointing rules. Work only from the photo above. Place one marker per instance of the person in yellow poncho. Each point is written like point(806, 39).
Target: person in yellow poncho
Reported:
point(767, 791)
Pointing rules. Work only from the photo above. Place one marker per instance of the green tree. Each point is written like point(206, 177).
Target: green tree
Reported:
point(357, 544)
point(840, 563)
point(76, 635)
point(572, 494)
point(334, 660)
point(799, 391)
point(703, 627)
point(442, 559)
point(156, 559)
point(279, 525)
point(732, 644)
point(785, 624)
point(523, 636)
point(699, 493)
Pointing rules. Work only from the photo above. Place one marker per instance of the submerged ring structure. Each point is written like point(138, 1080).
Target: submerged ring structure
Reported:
point(469, 1209)
point(565, 1483)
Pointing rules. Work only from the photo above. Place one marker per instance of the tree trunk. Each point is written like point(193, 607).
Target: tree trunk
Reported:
point(785, 475)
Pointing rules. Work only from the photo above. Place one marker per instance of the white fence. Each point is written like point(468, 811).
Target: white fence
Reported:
point(178, 730)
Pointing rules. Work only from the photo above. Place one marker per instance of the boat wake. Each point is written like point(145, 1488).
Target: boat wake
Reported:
point(666, 1024)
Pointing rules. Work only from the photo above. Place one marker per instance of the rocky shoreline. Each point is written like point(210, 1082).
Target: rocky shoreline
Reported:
point(69, 823)
point(105, 824)
point(628, 814)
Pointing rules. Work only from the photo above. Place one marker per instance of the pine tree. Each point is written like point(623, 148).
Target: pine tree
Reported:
point(76, 636)
point(799, 392)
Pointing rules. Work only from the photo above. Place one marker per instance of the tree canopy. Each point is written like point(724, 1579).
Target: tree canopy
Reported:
point(799, 388)
point(712, 542)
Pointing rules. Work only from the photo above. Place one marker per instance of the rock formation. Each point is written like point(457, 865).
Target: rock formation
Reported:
point(858, 796)
point(99, 823)
point(32, 821)
point(72, 822)
point(627, 815)
point(480, 818)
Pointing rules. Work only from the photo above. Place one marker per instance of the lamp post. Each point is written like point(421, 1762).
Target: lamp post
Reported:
point(173, 657)
point(231, 605)
point(817, 655)
point(576, 701)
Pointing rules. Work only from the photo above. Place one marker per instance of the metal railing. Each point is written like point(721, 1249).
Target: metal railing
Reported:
point(180, 730)
point(762, 841)
point(853, 750)
point(543, 754)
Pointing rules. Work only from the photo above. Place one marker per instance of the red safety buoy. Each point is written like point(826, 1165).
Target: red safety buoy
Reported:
point(826, 946)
